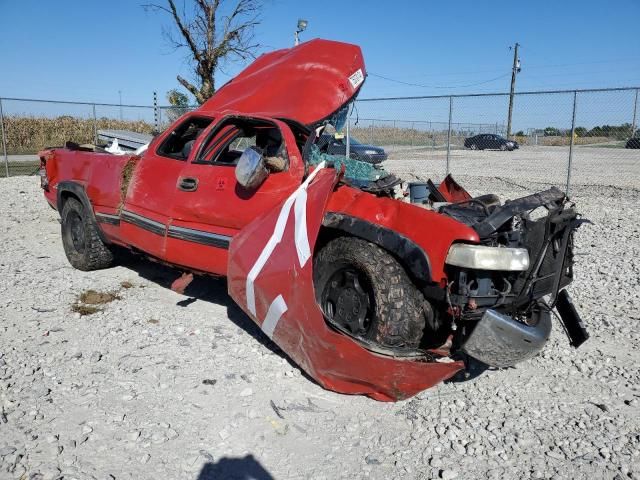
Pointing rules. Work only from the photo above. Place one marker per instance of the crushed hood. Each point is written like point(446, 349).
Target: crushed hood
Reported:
point(307, 83)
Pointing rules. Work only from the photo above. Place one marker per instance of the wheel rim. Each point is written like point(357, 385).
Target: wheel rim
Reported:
point(345, 300)
point(474, 147)
point(76, 230)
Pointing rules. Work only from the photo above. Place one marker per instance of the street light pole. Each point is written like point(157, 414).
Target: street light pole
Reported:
point(302, 25)
point(514, 71)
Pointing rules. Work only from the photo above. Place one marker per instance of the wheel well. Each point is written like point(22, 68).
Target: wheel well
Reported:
point(66, 195)
point(71, 189)
point(327, 234)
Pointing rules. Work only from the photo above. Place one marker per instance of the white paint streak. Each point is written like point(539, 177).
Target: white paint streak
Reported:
point(301, 235)
point(276, 310)
point(276, 238)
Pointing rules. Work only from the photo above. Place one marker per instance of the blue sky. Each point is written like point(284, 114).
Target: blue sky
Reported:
point(89, 50)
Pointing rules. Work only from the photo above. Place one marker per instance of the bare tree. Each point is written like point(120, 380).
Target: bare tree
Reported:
point(214, 32)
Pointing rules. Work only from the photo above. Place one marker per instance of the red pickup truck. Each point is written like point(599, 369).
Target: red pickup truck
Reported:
point(367, 292)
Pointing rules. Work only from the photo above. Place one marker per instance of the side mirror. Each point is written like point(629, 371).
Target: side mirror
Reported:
point(251, 170)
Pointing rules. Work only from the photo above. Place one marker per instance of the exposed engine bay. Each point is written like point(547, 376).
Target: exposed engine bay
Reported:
point(513, 296)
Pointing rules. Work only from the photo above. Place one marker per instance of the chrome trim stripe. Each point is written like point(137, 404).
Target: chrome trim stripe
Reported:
point(180, 233)
point(107, 218)
point(199, 236)
point(143, 222)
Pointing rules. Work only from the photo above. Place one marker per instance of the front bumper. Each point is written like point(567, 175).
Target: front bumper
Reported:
point(500, 341)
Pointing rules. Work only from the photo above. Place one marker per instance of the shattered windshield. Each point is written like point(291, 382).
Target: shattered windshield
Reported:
point(339, 119)
point(354, 169)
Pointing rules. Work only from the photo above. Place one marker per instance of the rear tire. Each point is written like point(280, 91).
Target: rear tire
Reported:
point(80, 239)
point(364, 290)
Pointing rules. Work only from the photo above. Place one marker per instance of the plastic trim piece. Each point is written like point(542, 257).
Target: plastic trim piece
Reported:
point(143, 222)
point(199, 236)
point(107, 218)
point(411, 256)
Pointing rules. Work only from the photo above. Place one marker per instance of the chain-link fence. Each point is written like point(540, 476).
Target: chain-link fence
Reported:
point(565, 137)
point(28, 126)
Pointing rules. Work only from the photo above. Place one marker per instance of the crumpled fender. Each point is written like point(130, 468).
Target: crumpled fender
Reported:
point(270, 276)
point(452, 191)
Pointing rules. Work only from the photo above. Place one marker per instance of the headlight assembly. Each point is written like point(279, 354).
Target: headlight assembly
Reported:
point(488, 258)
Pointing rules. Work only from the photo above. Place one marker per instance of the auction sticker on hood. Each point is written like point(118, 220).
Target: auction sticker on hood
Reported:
point(356, 78)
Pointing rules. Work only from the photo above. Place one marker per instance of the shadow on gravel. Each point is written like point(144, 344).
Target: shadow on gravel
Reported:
point(245, 468)
point(474, 369)
point(204, 288)
point(207, 289)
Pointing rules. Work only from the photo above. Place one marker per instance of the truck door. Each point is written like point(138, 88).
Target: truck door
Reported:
point(152, 186)
point(210, 206)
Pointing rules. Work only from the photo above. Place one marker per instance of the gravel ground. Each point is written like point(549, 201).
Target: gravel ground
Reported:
point(161, 385)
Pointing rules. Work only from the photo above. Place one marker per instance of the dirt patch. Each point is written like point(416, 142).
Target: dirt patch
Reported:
point(92, 297)
point(126, 284)
point(89, 301)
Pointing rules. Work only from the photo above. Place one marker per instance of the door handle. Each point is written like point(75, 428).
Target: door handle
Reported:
point(188, 184)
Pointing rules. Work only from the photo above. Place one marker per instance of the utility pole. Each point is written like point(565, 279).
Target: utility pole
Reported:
point(514, 71)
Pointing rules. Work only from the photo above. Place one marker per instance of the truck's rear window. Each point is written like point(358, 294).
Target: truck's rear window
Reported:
point(179, 142)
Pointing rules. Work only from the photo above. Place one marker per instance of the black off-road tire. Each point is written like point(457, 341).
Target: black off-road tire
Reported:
point(395, 313)
point(80, 239)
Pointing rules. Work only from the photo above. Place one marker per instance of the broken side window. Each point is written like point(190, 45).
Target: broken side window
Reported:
point(179, 143)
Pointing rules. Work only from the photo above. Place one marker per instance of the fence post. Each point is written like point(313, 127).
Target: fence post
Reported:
point(348, 147)
point(413, 124)
point(371, 132)
point(395, 135)
point(449, 133)
point(573, 131)
point(155, 112)
point(635, 110)
point(95, 126)
point(4, 142)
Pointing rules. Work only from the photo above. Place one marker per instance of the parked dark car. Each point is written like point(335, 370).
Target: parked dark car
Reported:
point(491, 142)
point(328, 143)
point(633, 142)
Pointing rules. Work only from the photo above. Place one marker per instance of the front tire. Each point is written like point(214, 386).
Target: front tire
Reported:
point(362, 289)
point(80, 239)
point(474, 146)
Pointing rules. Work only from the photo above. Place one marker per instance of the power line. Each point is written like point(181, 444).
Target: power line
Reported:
point(437, 86)
point(534, 66)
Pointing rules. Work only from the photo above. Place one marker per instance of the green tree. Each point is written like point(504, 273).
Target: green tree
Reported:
point(581, 131)
point(551, 132)
point(179, 104)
